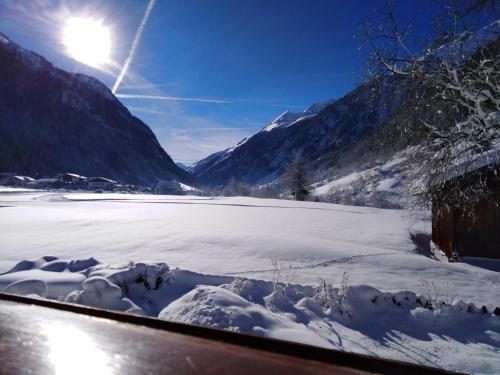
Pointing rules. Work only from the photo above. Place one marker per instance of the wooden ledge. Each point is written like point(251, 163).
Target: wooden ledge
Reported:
point(41, 336)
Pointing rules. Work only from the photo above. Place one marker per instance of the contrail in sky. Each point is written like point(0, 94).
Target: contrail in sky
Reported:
point(175, 98)
point(135, 44)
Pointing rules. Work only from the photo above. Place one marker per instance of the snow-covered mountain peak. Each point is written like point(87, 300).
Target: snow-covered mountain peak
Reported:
point(317, 107)
point(4, 39)
point(282, 120)
point(288, 118)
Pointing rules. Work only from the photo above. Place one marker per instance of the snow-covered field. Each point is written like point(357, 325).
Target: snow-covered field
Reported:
point(209, 261)
point(9, 189)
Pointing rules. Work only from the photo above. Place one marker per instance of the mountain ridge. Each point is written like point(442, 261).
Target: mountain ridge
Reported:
point(73, 123)
point(321, 130)
point(365, 124)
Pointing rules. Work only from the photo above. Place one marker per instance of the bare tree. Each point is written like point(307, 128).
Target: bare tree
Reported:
point(323, 291)
point(291, 273)
point(270, 190)
point(453, 76)
point(276, 271)
point(295, 180)
point(235, 188)
point(344, 287)
point(446, 294)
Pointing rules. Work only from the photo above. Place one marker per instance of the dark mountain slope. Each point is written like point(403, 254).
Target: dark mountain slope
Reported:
point(52, 121)
point(333, 130)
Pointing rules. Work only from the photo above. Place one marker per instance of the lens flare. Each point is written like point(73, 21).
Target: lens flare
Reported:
point(87, 41)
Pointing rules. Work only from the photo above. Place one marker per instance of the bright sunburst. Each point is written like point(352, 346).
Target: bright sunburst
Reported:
point(87, 41)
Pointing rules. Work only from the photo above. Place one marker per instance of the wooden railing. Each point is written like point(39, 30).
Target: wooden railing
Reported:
point(40, 336)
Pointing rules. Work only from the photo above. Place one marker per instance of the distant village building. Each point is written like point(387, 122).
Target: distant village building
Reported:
point(46, 183)
point(101, 183)
point(168, 187)
point(16, 181)
point(62, 181)
point(476, 233)
point(71, 178)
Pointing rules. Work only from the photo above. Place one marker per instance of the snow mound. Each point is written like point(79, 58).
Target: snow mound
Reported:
point(53, 264)
point(152, 286)
point(81, 264)
point(100, 292)
point(27, 287)
point(142, 283)
point(46, 276)
point(25, 265)
point(219, 307)
point(357, 318)
point(216, 307)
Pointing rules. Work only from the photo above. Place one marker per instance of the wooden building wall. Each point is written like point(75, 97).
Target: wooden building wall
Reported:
point(442, 228)
point(476, 235)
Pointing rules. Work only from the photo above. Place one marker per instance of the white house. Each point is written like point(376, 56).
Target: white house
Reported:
point(71, 178)
point(46, 183)
point(101, 183)
point(16, 181)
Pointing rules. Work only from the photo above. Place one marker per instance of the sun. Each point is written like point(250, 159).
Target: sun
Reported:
point(88, 41)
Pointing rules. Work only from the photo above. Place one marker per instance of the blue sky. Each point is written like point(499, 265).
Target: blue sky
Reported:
point(261, 57)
